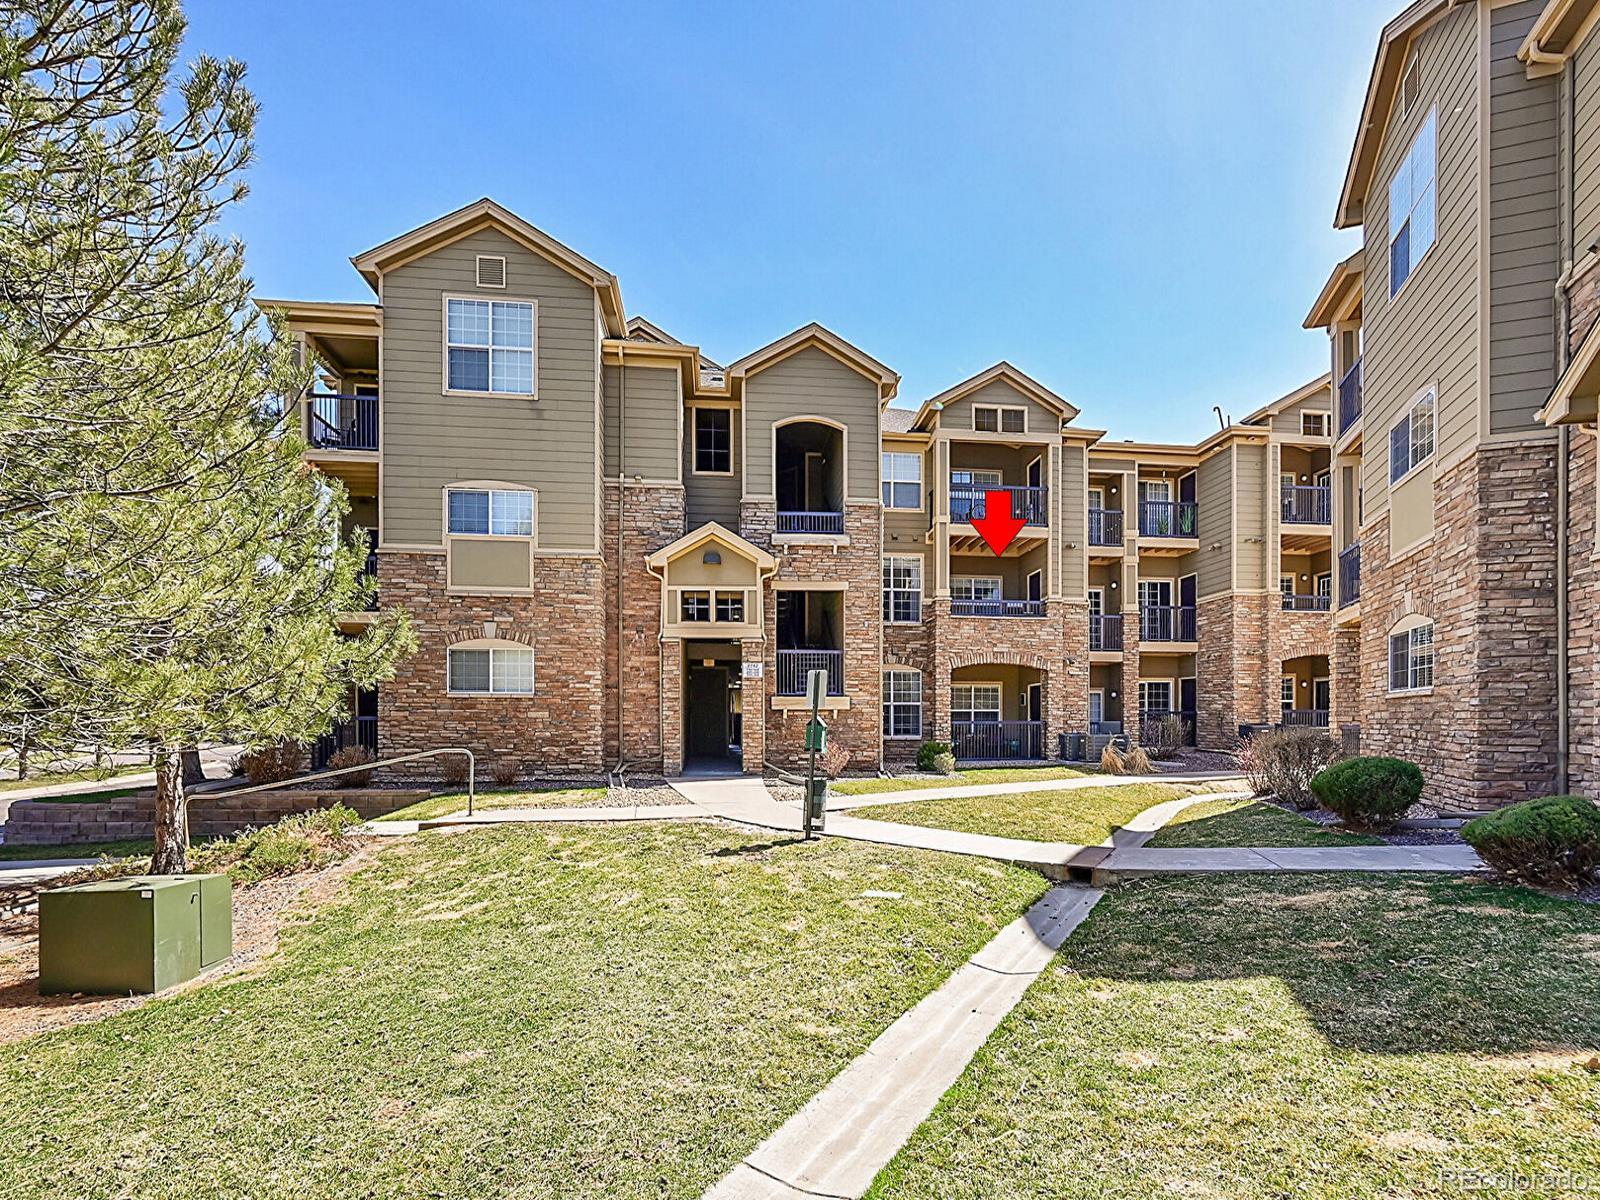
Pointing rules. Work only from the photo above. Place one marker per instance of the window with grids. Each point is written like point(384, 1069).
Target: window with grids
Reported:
point(1155, 696)
point(497, 514)
point(902, 704)
point(1411, 439)
point(975, 702)
point(1313, 424)
point(489, 346)
point(1286, 694)
point(713, 441)
point(1413, 199)
point(902, 480)
point(975, 587)
point(694, 606)
point(991, 419)
point(1411, 659)
point(491, 671)
point(730, 606)
point(902, 589)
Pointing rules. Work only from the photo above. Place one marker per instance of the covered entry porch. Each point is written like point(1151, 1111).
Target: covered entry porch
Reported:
point(997, 713)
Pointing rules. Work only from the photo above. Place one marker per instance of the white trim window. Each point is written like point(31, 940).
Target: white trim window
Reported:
point(974, 702)
point(976, 587)
point(488, 513)
point(1413, 203)
point(1314, 424)
point(1411, 659)
point(996, 418)
point(902, 704)
point(902, 589)
point(1155, 696)
point(1286, 695)
point(713, 441)
point(902, 480)
point(1411, 438)
point(490, 670)
point(489, 346)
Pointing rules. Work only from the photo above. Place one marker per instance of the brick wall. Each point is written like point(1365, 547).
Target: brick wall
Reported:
point(556, 733)
point(1237, 672)
point(41, 823)
point(1583, 607)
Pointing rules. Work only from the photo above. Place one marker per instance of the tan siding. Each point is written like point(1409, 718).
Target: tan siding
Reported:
point(812, 382)
point(711, 497)
point(1214, 495)
point(1074, 521)
point(654, 398)
point(1249, 516)
point(1524, 235)
point(431, 439)
point(958, 414)
point(1288, 421)
point(1586, 149)
point(1429, 332)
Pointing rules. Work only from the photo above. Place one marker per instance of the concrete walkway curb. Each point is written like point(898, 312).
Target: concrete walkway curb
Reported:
point(846, 1133)
point(1136, 862)
point(578, 813)
point(845, 803)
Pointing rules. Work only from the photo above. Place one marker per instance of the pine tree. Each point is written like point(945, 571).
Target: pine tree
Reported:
point(170, 569)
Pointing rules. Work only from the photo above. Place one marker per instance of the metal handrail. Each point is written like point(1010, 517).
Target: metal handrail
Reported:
point(472, 773)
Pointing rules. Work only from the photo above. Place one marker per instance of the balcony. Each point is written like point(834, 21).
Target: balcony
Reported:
point(1306, 504)
point(1105, 631)
point(811, 522)
point(1305, 718)
point(336, 422)
point(1105, 527)
point(1166, 623)
point(1350, 397)
point(1299, 603)
point(997, 740)
point(997, 608)
point(1350, 575)
point(795, 665)
point(968, 503)
point(1168, 519)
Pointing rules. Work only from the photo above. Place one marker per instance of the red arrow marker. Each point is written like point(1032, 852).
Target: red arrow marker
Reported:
point(998, 527)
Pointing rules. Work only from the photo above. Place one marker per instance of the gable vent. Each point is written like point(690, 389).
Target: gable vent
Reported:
point(491, 271)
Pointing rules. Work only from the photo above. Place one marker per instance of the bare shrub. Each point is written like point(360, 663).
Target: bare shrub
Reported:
point(351, 756)
point(1282, 762)
point(454, 769)
point(1166, 736)
point(272, 764)
point(505, 772)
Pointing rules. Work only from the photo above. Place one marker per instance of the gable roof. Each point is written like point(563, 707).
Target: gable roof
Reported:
point(1002, 371)
point(1394, 45)
point(711, 532)
point(641, 330)
point(486, 214)
point(1346, 278)
point(1304, 392)
point(899, 420)
point(1560, 29)
point(828, 342)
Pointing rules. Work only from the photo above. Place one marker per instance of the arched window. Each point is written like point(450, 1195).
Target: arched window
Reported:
point(490, 668)
point(1411, 654)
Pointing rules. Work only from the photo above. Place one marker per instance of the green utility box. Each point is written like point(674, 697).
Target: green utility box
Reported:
point(140, 934)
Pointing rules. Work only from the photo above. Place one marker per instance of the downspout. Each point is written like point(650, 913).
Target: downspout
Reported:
point(622, 486)
point(1563, 517)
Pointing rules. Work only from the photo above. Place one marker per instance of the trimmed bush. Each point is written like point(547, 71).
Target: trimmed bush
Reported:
point(929, 751)
point(944, 763)
point(1550, 842)
point(350, 756)
point(1282, 762)
point(1369, 793)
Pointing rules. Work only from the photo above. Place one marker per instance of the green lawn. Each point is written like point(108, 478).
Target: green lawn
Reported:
point(1250, 823)
point(1085, 816)
point(77, 850)
point(1306, 1036)
point(573, 1012)
point(867, 787)
point(454, 802)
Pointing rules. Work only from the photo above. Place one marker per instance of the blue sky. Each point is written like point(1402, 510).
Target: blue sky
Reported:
point(1132, 202)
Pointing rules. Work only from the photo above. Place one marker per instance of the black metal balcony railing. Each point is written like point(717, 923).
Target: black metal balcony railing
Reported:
point(997, 739)
point(1105, 631)
point(1150, 723)
point(811, 522)
point(1168, 518)
point(1307, 504)
point(1311, 718)
point(342, 422)
point(1350, 574)
point(1166, 623)
point(371, 577)
point(997, 608)
point(795, 665)
point(1105, 527)
point(1350, 397)
point(1300, 603)
point(1029, 503)
point(357, 731)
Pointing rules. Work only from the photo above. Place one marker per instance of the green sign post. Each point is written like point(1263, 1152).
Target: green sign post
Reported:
point(816, 741)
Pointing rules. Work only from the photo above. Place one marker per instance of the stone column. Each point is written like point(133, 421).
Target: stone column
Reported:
point(672, 706)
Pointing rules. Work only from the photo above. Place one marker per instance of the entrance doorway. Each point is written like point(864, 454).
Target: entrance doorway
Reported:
point(711, 707)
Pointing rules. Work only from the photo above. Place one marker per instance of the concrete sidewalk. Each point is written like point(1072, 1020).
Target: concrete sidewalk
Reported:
point(577, 813)
point(740, 798)
point(1136, 861)
point(912, 796)
point(847, 1132)
point(39, 870)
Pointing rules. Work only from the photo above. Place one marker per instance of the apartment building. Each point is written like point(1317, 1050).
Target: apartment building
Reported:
point(1463, 627)
point(616, 550)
